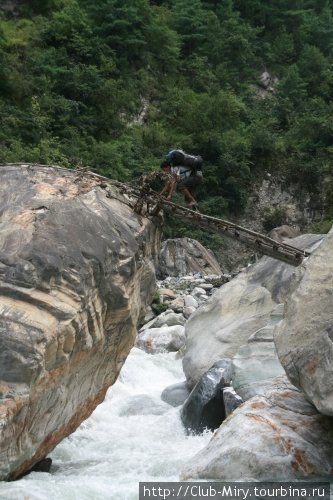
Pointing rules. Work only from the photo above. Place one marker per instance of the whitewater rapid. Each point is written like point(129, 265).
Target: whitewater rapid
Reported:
point(132, 436)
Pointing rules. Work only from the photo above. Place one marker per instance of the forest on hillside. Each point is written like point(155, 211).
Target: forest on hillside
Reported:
point(115, 84)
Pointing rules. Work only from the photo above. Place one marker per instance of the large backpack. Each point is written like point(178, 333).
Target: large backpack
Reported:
point(178, 157)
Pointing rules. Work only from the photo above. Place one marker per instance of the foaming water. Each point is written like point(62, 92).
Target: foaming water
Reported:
point(132, 436)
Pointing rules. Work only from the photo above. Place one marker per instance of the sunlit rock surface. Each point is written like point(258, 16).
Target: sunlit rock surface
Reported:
point(304, 340)
point(76, 272)
point(237, 310)
point(162, 339)
point(276, 436)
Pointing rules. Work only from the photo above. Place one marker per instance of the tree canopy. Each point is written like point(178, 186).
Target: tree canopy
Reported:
point(114, 84)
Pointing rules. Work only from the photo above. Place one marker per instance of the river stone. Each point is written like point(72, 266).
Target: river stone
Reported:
point(231, 400)
point(188, 311)
point(268, 438)
point(169, 318)
point(176, 394)
point(76, 274)
point(204, 408)
point(238, 309)
point(197, 291)
point(163, 339)
point(167, 293)
point(183, 256)
point(190, 301)
point(207, 287)
point(177, 305)
point(304, 339)
point(283, 233)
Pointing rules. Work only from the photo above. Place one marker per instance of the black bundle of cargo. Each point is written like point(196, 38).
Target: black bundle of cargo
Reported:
point(178, 158)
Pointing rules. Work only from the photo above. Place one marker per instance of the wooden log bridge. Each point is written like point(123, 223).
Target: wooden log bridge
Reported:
point(259, 242)
point(150, 203)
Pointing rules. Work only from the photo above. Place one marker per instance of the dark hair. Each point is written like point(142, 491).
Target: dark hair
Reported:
point(165, 164)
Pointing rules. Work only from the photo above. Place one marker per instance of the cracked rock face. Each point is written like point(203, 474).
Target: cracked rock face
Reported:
point(76, 272)
point(304, 339)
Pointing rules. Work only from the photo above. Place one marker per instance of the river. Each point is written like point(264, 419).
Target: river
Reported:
point(131, 437)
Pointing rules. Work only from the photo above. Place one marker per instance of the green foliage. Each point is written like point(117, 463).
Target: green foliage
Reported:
point(69, 28)
point(275, 218)
point(322, 227)
point(123, 28)
point(292, 92)
point(316, 71)
point(115, 84)
point(157, 304)
point(189, 22)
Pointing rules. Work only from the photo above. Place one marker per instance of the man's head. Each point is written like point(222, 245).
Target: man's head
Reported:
point(165, 166)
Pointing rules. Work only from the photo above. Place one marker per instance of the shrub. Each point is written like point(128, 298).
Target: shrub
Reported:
point(274, 218)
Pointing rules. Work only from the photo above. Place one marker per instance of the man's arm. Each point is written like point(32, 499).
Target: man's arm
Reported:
point(166, 188)
point(172, 187)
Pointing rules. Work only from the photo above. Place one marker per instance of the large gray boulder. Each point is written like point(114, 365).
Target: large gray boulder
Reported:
point(162, 339)
point(182, 256)
point(304, 339)
point(218, 328)
point(76, 273)
point(256, 363)
point(175, 394)
point(278, 436)
point(237, 310)
point(204, 408)
point(283, 233)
